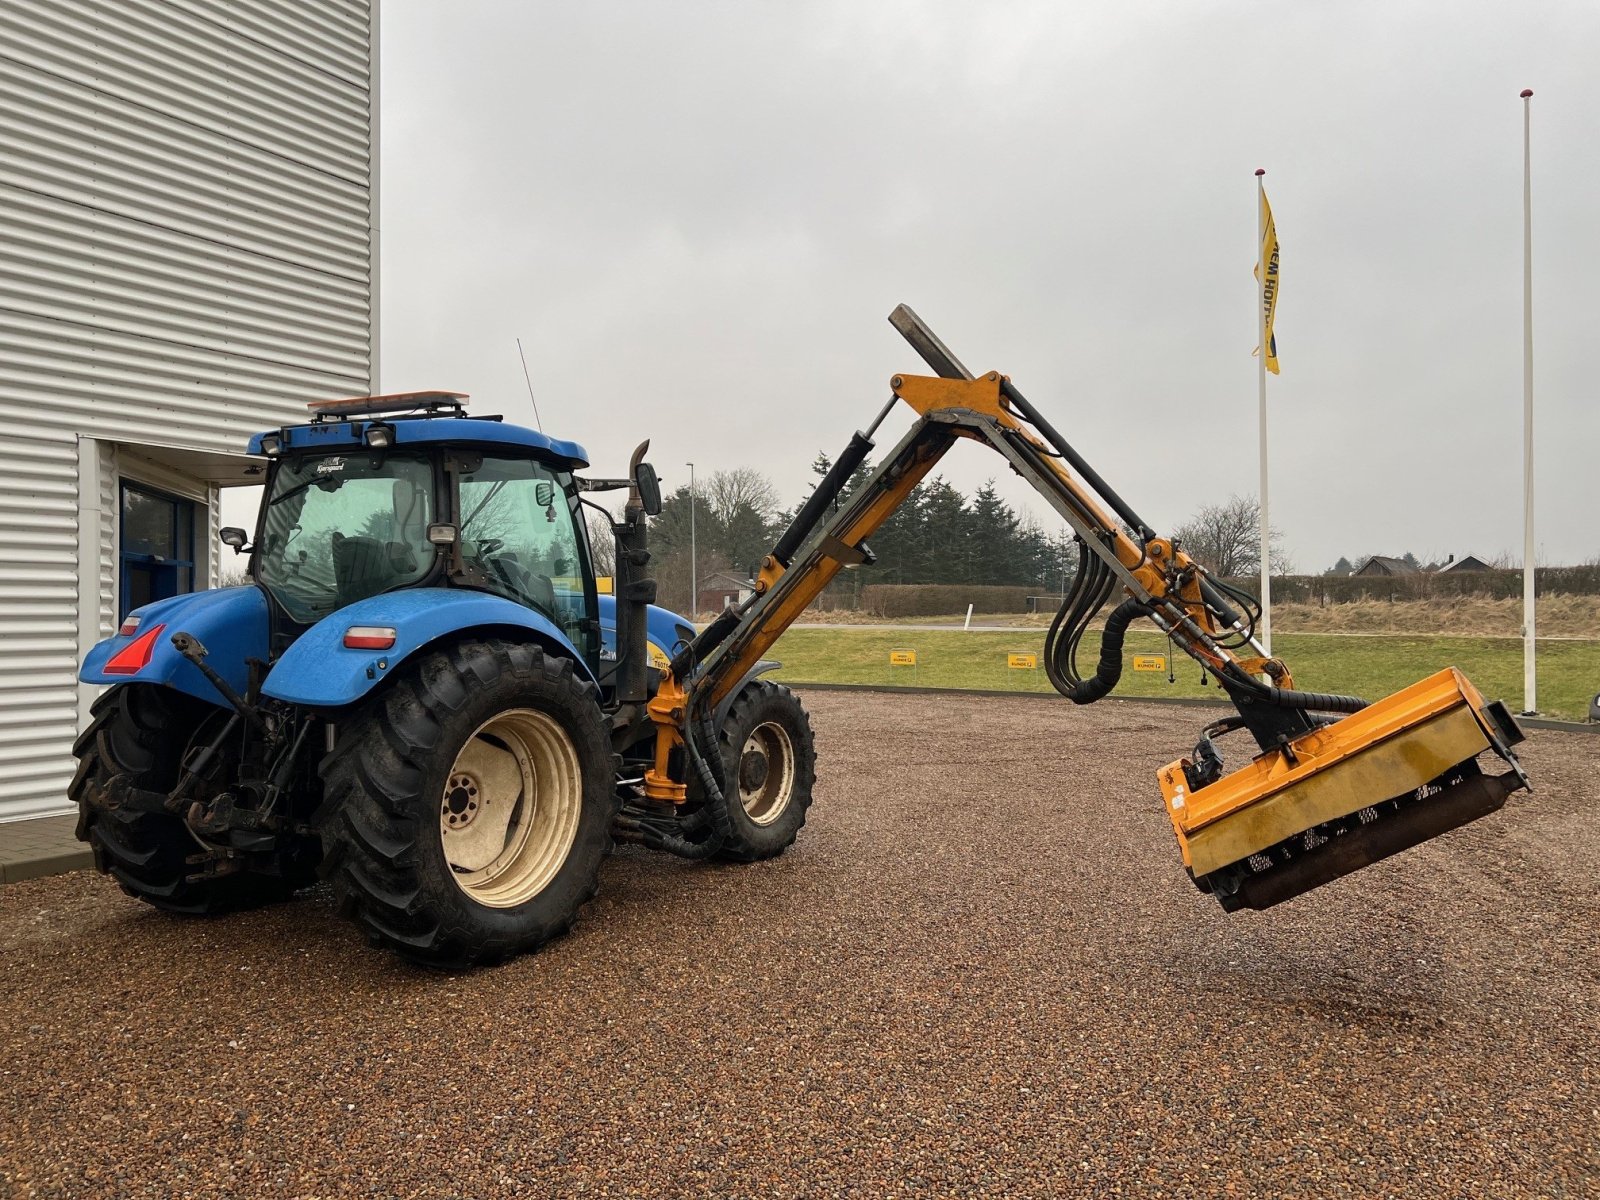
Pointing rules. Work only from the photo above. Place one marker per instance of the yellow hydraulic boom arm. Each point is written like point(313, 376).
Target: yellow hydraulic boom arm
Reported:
point(1323, 797)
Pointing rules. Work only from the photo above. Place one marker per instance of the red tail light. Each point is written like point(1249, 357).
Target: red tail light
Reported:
point(135, 656)
point(369, 637)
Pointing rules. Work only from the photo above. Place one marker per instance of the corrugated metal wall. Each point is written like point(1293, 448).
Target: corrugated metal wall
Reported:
point(38, 613)
point(187, 252)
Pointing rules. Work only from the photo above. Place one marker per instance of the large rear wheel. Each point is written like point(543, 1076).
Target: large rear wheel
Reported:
point(142, 731)
point(469, 805)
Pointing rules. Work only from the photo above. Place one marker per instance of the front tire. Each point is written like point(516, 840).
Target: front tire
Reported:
point(469, 805)
point(769, 766)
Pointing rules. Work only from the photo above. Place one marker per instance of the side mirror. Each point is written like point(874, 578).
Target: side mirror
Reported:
point(544, 494)
point(644, 478)
point(233, 536)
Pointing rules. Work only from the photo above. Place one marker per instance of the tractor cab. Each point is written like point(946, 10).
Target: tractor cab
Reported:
point(385, 493)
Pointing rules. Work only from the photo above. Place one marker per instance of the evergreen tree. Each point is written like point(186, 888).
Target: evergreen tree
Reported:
point(998, 555)
point(949, 547)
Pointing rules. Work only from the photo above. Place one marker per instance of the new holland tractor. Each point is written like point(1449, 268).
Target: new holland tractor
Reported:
point(421, 698)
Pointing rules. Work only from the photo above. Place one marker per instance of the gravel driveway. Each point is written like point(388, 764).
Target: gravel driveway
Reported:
point(980, 972)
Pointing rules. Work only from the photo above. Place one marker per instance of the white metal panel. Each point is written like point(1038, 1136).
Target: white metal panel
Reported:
point(184, 61)
point(188, 254)
point(167, 174)
point(38, 622)
point(212, 547)
point(109, 530)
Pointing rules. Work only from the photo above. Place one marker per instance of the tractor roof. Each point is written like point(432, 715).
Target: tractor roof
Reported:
point(339, 424)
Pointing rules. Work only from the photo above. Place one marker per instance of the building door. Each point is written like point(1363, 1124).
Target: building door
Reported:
point(157, 549)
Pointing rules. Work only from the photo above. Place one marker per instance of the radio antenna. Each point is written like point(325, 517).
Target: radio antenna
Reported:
point(537, 420)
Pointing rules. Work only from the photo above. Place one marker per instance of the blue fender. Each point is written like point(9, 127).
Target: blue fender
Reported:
point(231, 623)
point(319, 671)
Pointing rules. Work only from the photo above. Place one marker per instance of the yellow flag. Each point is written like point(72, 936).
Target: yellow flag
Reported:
point(1269, 288)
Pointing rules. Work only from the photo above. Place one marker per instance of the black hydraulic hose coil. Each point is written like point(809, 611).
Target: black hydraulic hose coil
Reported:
point(1057, 665)
point(1110, 669)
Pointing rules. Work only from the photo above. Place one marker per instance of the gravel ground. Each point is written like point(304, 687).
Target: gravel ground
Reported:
point(980, 972)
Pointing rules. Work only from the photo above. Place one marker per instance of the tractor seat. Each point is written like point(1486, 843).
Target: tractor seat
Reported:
point(365, 566)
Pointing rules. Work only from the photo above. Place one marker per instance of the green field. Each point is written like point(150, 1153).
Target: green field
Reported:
point(1370, 666)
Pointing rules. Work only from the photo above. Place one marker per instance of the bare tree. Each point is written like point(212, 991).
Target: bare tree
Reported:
point(602, 542)
point(1226, 539)
point(725, 493)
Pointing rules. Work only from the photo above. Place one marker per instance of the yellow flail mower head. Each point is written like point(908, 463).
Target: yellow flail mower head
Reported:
point(1341, 796)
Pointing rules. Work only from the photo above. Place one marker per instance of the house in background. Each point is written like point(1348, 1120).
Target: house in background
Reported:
point(1467, 562)
point(190, 255)
point(721, 589)
point(1379, 565)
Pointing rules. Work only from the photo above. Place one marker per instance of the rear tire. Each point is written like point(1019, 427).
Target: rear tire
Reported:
point(469, 805)
point(141, 731)
point(769, 766)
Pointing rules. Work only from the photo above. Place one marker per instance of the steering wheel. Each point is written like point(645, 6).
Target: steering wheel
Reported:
point(489, 546)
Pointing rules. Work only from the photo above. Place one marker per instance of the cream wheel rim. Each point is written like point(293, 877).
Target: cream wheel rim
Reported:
point(766, 772)
point(509, 813)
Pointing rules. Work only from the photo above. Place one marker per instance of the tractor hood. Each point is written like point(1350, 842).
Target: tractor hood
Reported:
point(665, 630)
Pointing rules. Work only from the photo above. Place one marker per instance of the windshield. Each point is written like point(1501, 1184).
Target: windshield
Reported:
point(339, 528)
point(520, 534)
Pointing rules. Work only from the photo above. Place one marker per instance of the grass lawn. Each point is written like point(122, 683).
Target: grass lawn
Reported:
point(1370, 666)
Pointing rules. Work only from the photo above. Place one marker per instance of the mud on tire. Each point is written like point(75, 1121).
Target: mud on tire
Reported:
point(413, 840)
point(769, 766)
point(142, 731)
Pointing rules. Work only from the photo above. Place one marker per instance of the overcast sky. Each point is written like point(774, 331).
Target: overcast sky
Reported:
point(697, 216)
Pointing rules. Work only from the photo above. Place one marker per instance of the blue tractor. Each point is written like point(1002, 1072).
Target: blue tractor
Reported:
point(419, 697)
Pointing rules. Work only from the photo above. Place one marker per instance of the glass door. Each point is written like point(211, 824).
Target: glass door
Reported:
point(157, 547)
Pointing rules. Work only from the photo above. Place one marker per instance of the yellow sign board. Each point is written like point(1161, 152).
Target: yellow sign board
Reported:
point(902, 658)
point(1022, 662)
point(1149, 662)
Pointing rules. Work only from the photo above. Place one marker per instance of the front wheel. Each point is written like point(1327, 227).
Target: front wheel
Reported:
point(469, 805)
point(769, 761)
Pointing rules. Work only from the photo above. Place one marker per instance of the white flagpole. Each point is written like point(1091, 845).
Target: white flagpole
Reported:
point(1261, 370)
point(1529, 562)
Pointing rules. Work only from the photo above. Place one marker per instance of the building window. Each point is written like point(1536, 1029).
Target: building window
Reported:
point(157, 547)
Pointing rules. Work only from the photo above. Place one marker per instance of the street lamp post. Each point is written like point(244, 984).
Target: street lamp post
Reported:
point(694, 561)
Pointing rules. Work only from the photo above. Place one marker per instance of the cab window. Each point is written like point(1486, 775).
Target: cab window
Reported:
point(521, 538)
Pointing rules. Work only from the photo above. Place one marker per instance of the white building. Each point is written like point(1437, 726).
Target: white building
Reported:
point(188, 253)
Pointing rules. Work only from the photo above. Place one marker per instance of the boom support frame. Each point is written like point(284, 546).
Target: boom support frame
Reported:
point(1300, 778)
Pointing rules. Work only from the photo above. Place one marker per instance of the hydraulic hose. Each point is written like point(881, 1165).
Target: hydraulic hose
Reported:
point(1060, 673)
point(1090, 591)
point(1236, 680)
point(1107, 585)
point(712, 817)
point(1110, 669)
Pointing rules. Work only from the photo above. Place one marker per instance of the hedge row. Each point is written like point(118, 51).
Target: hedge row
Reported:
point(1341, 589)
point(940, 599)
point(946, 599)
